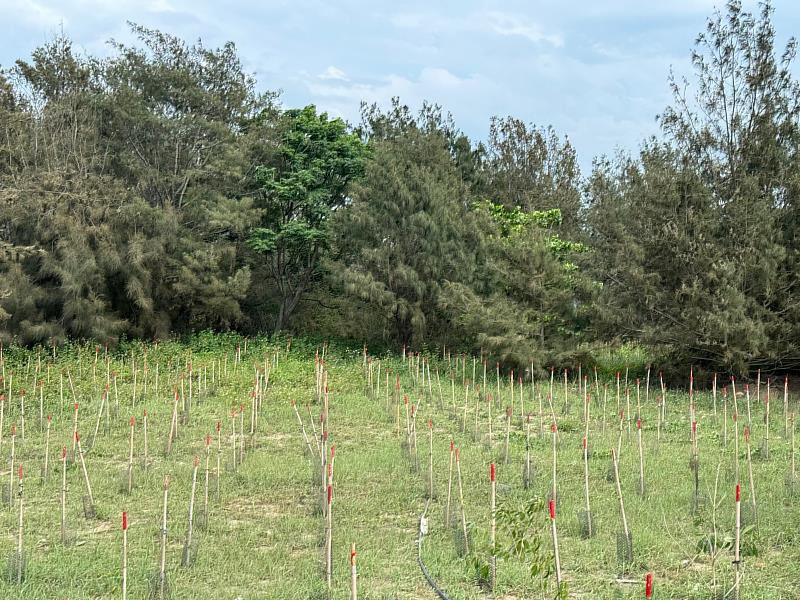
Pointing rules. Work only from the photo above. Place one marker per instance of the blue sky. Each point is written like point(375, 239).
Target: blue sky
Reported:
point(596, 71)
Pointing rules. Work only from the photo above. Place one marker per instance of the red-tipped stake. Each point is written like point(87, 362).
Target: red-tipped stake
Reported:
point(64, 495)
point(302, 428)
point(130, 455)
point(641, 455)
point(493, 535)
point(219, 457)
point(204, 519)
point(449, 487)
point(556, 556)
point(20, 558)
point(430, 459)
point(88, 500)
point(461, 500)
point(124, 555)
point(626, 545)
point(648, 586)
point(161, 582)
point(553, 489)
point(589, 528)
point(750, 473)
point(353, 574)
point(736, 557)
point(508, 432)
point(46, 467)
point(329, 539)
point(11, 477)
point(188, 548)
point(74, 426)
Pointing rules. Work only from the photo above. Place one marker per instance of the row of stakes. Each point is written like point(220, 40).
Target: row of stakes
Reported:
point(159, 586)
point(624, 535)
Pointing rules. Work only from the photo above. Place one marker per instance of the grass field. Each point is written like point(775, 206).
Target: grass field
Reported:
point(265, 534)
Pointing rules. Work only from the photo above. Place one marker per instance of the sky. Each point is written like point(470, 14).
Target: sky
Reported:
point(596, 71)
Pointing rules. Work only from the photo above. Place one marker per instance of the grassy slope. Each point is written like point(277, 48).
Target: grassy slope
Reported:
point(265, 536)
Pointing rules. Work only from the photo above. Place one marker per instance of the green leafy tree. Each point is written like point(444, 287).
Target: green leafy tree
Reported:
point(307, 178)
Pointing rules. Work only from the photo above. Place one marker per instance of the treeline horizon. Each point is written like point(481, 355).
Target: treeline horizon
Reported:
point(154, 192)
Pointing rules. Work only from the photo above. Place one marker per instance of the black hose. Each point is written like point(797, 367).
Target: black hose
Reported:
point(422, 529)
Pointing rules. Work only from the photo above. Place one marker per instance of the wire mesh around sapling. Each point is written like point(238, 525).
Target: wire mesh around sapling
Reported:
point(528, 475)
point(16, 567)
point(127, 480)
point(587, 526)
point(89, 510)
point(749, 513)
point(791, 486)
point(625, 550)
point(763, 451)
point(460, 543)
point(189, 553)
point(159, 586)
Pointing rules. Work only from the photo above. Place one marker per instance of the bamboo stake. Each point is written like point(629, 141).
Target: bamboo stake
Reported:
point(11, 470)
point(493, 535)
point(461, 500)
point(162, 565)
point(641, 456)
point(85, 476)
point(187, 553)
point(46, 468)
point(556, 556)
point(353, 574)
point(736, 557)
point(625, 530)
point(64, 495)
point(449, 487)
point(508, 434)
point(20, 558)
point(130, 455)
point(589, 529)
point(144, 433)
point(430, 459)
point(750, 473)
point(124, 555)
point(329, 539)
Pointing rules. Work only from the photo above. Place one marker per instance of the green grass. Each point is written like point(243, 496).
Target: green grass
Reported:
point(266, 533)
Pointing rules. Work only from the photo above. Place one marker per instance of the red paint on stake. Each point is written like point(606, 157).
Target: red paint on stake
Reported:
point(648, 586)
point(738, 493)
point(492, 471)
point(124, 520)
point(552, 510)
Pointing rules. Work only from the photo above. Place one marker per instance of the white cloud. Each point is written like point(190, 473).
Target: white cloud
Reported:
point(515, 25)
point(333, 73)
point(491, 22)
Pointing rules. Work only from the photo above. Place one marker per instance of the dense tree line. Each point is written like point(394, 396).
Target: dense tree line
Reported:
point(154, 192)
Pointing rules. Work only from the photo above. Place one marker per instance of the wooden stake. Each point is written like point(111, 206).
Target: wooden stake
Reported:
point(20, 559)
point(187, 552)
point(641, 456)
point(162, 565)
point(449, 487)
point(124, 555)
point(736, 556)
point(85, 474)
point(46, 468)
point(353, 574)
point(556, 556)
point(64, 495)
point(493, 534)
point(461, 500)
point(329, 539)
point(130, 455)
